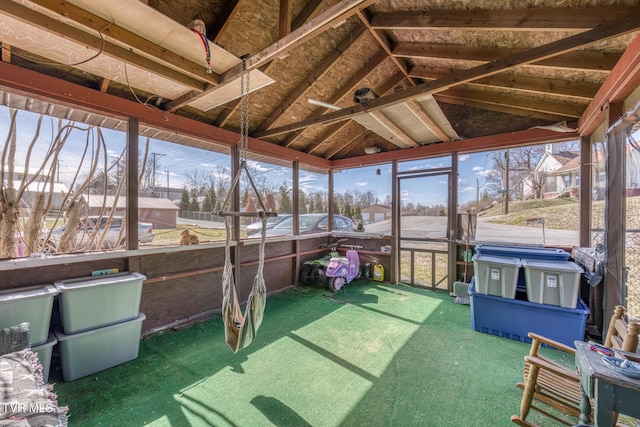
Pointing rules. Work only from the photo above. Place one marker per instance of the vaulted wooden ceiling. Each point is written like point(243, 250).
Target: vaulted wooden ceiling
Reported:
point(441, 71)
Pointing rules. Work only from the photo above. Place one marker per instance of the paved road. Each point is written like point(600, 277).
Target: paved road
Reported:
point(434, 227)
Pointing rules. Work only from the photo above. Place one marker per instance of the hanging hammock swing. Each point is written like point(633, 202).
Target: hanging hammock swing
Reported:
point(241, 328)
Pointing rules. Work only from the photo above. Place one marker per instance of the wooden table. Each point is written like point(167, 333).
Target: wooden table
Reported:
point(610, 391)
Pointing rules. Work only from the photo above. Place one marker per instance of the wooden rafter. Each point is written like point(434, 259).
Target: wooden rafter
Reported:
point(350, 86)
point(525, 19)
point(319, 70)
point(624, 78)
point(556, 87)
point(219, 28)
point(537, 54)
point(518, 105)
point(317, 25)
point(285, 18)
point(142, 52)
point(343, 10)
point(333, 129)
point(311, 8)
point(583, 60)
point(339, 147)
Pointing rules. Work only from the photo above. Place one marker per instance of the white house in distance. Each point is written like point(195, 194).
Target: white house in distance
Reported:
point(562, 171)
point(375, 213)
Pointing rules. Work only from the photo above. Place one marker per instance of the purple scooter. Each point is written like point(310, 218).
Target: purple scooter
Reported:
point(342, 270)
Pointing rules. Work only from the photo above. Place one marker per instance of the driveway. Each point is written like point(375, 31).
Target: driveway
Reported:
point(435, 226)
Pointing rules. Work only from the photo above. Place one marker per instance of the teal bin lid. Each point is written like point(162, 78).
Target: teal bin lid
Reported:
point(109, 279)
point(551, 266)
point(29, 292)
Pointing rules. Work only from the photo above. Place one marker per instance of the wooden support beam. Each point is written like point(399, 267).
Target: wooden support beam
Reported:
point(320, 70)
point(285, 18)
point(583, 60)
point(521, 19)
point(569, 110)
point(555, 87)
point(138, 45)
point(622, 80)
point(332, 16)
point(6, 51)
point(104, 84)
point(39, 86)
point(559, 47)
point(491, 142)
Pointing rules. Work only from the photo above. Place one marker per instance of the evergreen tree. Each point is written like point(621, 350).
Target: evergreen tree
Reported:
point(206, 203)
point(357, 213)
point(184, 201)
point(194, 206)
point(302, 202)
point(347, 210)
point(213, 198)
point(285, 199)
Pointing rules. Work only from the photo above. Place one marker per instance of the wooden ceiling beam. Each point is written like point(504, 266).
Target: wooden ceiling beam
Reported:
point(317, 25)
point(524, 19)
point(512, 104)
point(6, 52)
point(623, 79)
point(219, 28)
point(334, 128)
point(427, 120)
point(490, 142)
point(311, 8)
point(349, 87)
point(555, 87)
point(338, 148)
point(592, 61)
point(320, 70)
point(139, 45)
point(284, 23)
point(559, 47)
point(404, 140)
point(383, 40)
point(329, 18)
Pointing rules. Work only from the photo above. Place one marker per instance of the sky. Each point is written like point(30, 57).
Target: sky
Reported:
point(175, 162)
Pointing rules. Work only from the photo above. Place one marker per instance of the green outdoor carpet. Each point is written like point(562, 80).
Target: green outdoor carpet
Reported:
point(372, 354)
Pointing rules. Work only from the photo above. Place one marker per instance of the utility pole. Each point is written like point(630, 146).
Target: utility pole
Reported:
point(506, 183)
point(477, 190)
point(153, 184)
point(167, 184)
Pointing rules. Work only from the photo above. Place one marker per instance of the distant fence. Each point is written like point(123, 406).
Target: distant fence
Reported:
point(200, 216)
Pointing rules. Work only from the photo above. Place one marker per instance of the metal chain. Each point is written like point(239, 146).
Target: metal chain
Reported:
point(244, 110)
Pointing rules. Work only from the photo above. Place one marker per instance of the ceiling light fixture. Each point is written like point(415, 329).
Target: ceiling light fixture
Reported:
point(373, 149)
point(323, 104)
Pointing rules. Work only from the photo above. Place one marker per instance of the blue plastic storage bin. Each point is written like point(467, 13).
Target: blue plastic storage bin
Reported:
point(524, 253)
point(514, 319)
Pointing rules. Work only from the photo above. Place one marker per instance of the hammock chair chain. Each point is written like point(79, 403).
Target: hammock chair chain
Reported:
point(244, 110)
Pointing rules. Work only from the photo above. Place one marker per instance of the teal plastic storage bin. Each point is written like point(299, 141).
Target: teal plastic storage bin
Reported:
point(44, 352)
point(92, 351)
point(523, 253)
point(93, 302)
point(514, 319)
point(33, 305)
point(552, 282)
point(496, 275)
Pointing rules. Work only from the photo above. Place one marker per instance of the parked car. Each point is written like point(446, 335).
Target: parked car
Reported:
point(311, 223)
point(91, 232)
point(272, 221)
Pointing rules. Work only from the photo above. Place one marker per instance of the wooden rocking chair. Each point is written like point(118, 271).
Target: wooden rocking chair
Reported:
point(549, 385)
